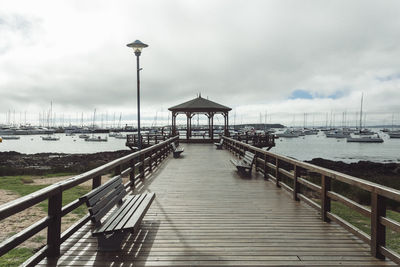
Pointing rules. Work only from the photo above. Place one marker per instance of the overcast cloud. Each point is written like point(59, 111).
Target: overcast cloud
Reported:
point(279, 57)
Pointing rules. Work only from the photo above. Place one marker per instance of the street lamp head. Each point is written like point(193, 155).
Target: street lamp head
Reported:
point(137, 46)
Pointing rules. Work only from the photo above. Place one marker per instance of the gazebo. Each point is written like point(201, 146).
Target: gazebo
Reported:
point(200, 105)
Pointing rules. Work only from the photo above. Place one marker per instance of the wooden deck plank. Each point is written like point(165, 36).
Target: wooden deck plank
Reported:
point(213, 216)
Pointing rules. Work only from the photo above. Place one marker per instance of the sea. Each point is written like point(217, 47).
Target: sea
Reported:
point(301, 148)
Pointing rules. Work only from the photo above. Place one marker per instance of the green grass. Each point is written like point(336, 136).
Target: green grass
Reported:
point(19, 185)
point(16, 184)
point(364, 223)
point(16, 257)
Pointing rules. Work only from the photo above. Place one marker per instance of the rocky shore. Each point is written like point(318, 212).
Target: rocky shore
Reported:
point(387, 174)
point(14, 163)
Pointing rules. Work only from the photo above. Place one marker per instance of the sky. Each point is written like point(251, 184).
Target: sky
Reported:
point(290, 62)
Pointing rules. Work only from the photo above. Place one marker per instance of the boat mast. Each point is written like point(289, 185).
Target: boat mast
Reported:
point(362, 95)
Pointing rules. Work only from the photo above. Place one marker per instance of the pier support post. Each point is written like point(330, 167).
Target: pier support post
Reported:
point(54, 228)
point(96, 182)
point(265, 167)
point(378, 230)
point(295, 183)
point(326, 201)
point(277, 172)
point(132, 173)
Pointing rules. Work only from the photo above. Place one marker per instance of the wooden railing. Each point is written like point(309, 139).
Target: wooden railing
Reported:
point(280, 169)
point(147, 139)
point(137, 165)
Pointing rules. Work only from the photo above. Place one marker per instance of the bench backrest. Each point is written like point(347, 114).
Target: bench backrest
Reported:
point(248, 158)
point(101, 200)
point(173, 146)
point(221, 142)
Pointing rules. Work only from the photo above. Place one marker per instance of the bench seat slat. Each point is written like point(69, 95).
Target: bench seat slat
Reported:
point(116, 213)
point(100, 214)
point(134, 206)
point(140, 212)
point(125, 214)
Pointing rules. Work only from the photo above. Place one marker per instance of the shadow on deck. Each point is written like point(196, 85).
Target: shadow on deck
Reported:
point(205, 213)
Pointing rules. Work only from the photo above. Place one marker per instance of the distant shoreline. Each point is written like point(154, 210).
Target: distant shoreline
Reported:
point(14, 163)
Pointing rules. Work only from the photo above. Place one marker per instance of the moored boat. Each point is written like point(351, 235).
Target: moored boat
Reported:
point(50, 138)
point(394, 134)
point(96, 139)
point(10, 137)
point(366, 139)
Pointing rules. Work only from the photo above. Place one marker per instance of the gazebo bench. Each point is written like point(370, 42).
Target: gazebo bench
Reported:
point(219, 145)
point(176, 151)
point(246, 163)
point(124, 219)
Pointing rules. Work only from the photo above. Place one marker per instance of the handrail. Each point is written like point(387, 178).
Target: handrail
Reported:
point(139, 164)
point(270, 164)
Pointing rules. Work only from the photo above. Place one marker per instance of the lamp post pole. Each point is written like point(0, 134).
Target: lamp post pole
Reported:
point(137, 53)
point(137, 48)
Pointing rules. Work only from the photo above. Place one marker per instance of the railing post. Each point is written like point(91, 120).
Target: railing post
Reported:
point(118, 170)
point(141, 167)
point(132, 173)
point(378, 230)
point(150, 161)
point(255, 161)
point(326, 201)
point(295, 183)
point(265, 167)
point(96, 182)
point(277, 172)
point(54, 228)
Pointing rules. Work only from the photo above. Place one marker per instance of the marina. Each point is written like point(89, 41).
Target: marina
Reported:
point(308, 146)
point(199, 133)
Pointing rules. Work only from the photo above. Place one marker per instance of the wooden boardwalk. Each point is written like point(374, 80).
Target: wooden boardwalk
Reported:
point(205, 213)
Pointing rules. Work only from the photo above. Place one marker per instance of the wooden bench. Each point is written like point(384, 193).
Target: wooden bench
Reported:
point(219, 145)
point(177, 151)
point(124, 219)
point(246, 163)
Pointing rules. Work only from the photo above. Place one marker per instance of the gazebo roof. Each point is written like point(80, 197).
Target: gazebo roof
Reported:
point(199, 104)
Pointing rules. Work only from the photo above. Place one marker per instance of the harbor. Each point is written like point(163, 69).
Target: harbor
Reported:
point(308, 146)
point(199, 133)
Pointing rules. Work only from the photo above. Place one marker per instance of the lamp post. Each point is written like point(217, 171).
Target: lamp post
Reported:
point(137, 47)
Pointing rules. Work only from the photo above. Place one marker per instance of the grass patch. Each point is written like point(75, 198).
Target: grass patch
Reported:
point(16, 184)
point(16, 257)
point(363, 223)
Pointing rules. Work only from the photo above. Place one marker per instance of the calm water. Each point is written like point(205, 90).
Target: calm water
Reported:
point(31, 144)
point(318, 146)
point(302, 148)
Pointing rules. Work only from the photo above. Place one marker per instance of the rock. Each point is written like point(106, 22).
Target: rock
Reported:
point(13, 163)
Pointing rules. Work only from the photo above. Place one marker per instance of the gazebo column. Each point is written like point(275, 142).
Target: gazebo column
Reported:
point(226, 116)
point(173, 123)
point(209, 124)
point(187, 124)
point(191, 116)
point(212, 126)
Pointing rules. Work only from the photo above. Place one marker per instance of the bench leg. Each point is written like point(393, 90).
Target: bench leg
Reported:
point(111, 242)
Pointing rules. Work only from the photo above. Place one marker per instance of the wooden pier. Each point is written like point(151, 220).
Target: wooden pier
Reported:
point(207, 214)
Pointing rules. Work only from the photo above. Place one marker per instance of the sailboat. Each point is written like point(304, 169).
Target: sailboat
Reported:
point(50, 137)
point(94, 138)
point(364, 138)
